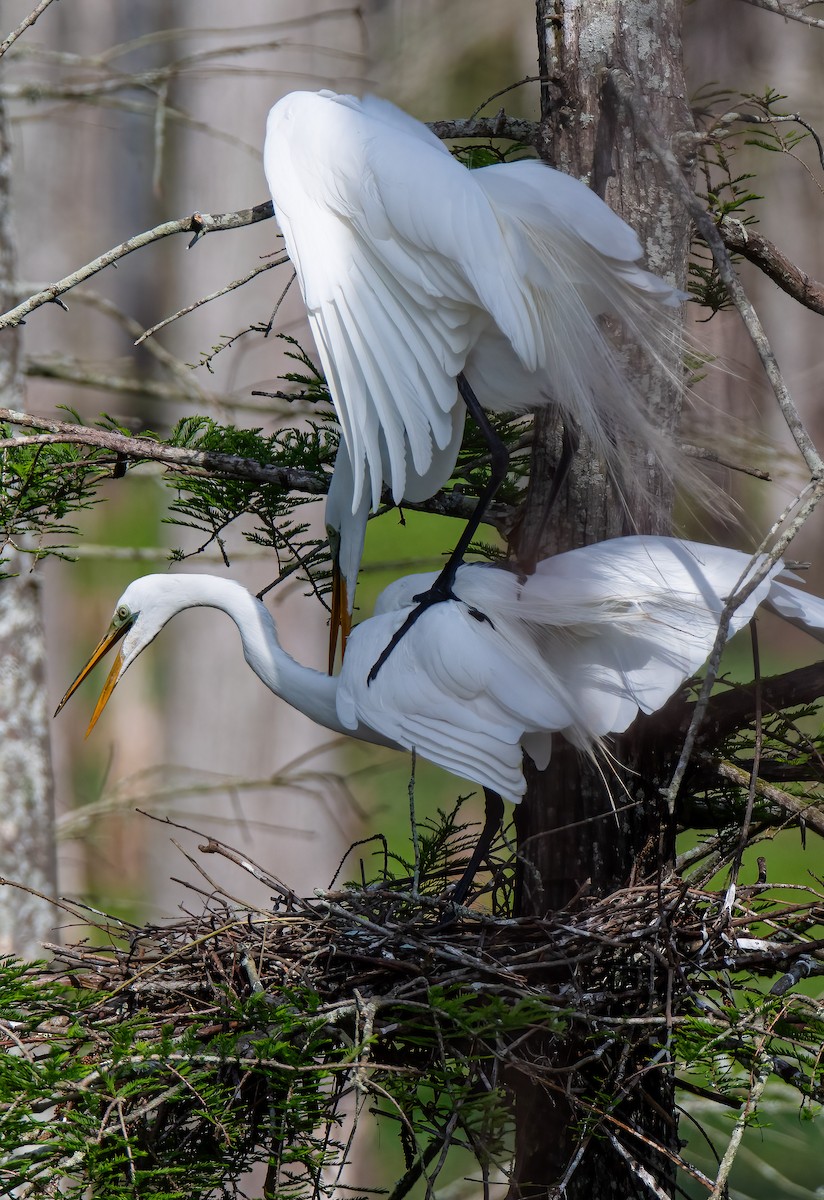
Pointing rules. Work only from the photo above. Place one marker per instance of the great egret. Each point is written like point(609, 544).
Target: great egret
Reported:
point(423, 280)
point(579, 647)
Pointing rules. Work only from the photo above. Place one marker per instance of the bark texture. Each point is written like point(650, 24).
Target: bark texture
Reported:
point(569, 839)
point(26, 813)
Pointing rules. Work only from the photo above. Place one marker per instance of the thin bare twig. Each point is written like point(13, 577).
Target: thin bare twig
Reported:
point(175, 366)
point(805, 503)
point(791, 12)
point(719, 128)
point(752, 783)
point(159, 130)
point(69, 370)
point(25, 24)
point(230, 287)
point(704, 454)
point(198, 223)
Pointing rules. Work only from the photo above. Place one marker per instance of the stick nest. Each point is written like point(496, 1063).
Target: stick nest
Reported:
point(190, 1050)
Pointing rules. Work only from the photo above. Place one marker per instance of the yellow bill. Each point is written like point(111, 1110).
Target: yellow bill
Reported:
point(340, 620)
point(113, 634)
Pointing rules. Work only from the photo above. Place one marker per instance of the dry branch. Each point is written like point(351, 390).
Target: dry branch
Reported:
point(790, 12)
point(499, 126)
point(225, 466)
point(229, 287)
point(767, 257)
point(796, 809)
point(25, 24)
point(198, 224)
point(142, 449)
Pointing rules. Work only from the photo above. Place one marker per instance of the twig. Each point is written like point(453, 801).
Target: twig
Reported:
point(25, 24)
point(133, 328)
point(704, 454)
point(752, 783)
point(499, 126)
point(418, 1167)
point(739, 594)
point(66, 370)
point(797, 809)
point(768, 258)
point(159, 135)
point(230, 466)
point(791, 12)
point(230, 287)
point(638, 1170)
point(758, 1085)
point(227, 466)
point(198, 223)
point(416, 849)
point(719, 128)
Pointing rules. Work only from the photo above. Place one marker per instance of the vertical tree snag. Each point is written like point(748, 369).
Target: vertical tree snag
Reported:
point(26, 813)
point(568, 837)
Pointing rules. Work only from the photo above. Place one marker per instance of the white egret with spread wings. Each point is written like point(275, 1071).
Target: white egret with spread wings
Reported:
point(579, 648)
point(431, 287)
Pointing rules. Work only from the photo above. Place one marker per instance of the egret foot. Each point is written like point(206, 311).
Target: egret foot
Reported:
point(442, 587)
point(440, 591)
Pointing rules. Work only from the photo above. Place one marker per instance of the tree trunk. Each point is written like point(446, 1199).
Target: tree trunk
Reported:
point(27, 851)
point(568, 836)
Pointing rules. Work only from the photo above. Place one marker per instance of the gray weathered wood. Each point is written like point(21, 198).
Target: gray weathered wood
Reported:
point(567, 835)
point(26, 813)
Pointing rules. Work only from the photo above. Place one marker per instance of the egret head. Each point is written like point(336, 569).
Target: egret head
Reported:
point(141, 612)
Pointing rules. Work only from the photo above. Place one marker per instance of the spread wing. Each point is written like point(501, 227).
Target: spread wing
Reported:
point(408, 262)
point(624, 622)
point(454, 691)
point(580, 647)
point(397, 253)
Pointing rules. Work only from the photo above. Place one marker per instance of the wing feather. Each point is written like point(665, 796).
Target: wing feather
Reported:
point(594, 637)
point(453, 692)
point(419, 268)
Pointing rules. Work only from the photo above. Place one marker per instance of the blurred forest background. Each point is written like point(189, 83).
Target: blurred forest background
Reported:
point(125, 115)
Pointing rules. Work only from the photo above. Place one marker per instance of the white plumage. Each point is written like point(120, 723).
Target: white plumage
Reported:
point(415, 270)
point(579, 648)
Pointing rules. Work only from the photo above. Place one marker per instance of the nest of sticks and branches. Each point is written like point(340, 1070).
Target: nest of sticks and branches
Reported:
point(166, 1060)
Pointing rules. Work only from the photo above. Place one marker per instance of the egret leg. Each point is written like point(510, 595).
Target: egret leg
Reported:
point(493, 816)
point(442, 587)
point(570, 441)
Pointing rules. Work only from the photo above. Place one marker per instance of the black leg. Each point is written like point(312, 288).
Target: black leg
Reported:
point(499, 455)
point(570, 441)
point(442, 587)
point(494, 813)
point(528, 557)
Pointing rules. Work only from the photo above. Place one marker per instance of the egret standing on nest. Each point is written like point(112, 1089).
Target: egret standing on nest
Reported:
point(431, 287)
point(579, 647)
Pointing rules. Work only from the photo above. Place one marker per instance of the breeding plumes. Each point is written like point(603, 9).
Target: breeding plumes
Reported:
point(426, 282)
point(578, 648)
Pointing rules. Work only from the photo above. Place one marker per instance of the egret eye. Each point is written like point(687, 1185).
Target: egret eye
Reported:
point(123, 612)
